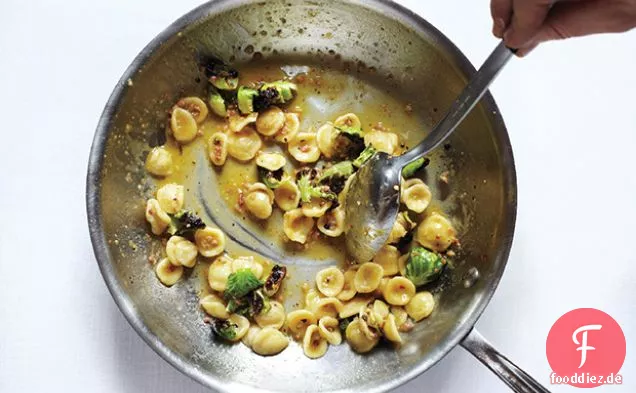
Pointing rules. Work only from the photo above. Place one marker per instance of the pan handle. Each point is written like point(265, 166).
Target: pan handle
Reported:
point(517, 379)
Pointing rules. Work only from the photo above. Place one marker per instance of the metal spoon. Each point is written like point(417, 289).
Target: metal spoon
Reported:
point(373, 198)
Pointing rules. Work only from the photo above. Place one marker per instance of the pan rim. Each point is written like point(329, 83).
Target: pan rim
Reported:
point(126, 305)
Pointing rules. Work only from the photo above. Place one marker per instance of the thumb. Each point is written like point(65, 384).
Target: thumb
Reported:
point(527, 18)
point(587, 17)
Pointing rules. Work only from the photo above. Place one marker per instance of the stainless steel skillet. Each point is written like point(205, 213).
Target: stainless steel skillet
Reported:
point(380, 40)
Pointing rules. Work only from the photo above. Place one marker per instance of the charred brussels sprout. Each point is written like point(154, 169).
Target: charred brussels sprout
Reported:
point(310, 190)
point(224, 328)
point(220, 75)
point(411, 169)
point(245, 98)
point(349, 143)
point(185, 223)
point(217, 103)
point(271, 179)
point(241, 283)
point(424, 266)
point(364, 156)
point(274, 280)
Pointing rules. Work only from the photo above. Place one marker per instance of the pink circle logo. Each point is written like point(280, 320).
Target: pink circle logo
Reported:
point(586, 348)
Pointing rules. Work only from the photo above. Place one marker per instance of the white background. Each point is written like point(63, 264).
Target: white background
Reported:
point(570, 112)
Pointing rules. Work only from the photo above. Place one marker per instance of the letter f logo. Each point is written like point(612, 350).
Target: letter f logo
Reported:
point(584, 347)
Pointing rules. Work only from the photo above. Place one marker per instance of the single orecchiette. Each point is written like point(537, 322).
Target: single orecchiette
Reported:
point(298, 321)
point(435, 232)
point(329, 329)
point(386, 142)
point(183, 125)
point(217, 148)
point(314, 345)
point(402, 264)
point(247, 262)
point(159, 162)
point(218, 273)
point(304, 148)
point(316, 207)
point(330, 281)
point(401, 227)
point(210, 241)
point(259, 200)
point(290, 129)
point(274, 317)
point(242, 325)
point(237, 122)
point(287, 195)
point(343, 194)
point(197, 108)
point(156, 217)
point(353, 306)
point(325, 137)
point(181, 251)
point(348, 120)
point(297, 226)
point(243, 145)
point(387, 257)
point(348, 290)
point(269, 341)
point(270, 121)
point(368, 277)
point(401, 317)
point(248, 338)
point(332, 223)
point(214, 306)
point(312, 297)
point(399, 291)
point(271, 161)
point(357, 339)
point(168, 273)
point(416, 195)
point(170, 197)
point(390, 329)
point(329, 306)
point(420, 306)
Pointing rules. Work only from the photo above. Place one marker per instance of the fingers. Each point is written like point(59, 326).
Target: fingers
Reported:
point(527, 18)
point(501, 11)
point(587, 17)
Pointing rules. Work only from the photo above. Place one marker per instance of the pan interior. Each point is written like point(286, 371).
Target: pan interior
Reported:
point(382, 59)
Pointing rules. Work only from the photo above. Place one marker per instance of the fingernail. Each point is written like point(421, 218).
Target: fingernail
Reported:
point(498, 27)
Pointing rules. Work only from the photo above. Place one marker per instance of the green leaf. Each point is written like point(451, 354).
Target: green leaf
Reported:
point(240, 283)
point(410, 169)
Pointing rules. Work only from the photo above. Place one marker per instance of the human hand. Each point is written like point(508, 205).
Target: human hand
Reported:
point(524, 24)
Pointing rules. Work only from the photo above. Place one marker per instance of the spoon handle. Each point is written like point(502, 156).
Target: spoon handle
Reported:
point(462, 106)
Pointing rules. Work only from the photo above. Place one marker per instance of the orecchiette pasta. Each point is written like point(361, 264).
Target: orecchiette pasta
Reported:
point(304, 148)
point(343, 194)
point(156, 217)
point(168, 273)
point(274, 317)
point(270, 121)
point(248, 339)
point(401, 227)
point(357, 339)
point(237, 122)
point(348, 289)
point(416, 195)
point(368, 277)
point(330, 281)
point(170, 198)
point(259, 200)
point(399, 291)
point(210, 241)
point(329, 329)
point(329, 306)
point(400, 315)
point(435, 232)
point(214, 306)
point(316, 207)
point(348, 120)
point(183, 125)
point(242, 325)
point(243, 145)
point(312, 297)
point(297, 226)
point(181, 251)
point(402, 264)
point(380, 309)
point(314, 345)
point(386, 142)
point(159, 162)
point(420, 306)
point(353, 306)
point(197, 108)
point(271, 161)
point(325, 137)
point(217, 148)
point(247, 262)
point(299, 320)
point(218, 273)
point(269, 341)
point(390, 329)
point(387, 257)
point(290, 129)
point(332, 222)
point(287, 195)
